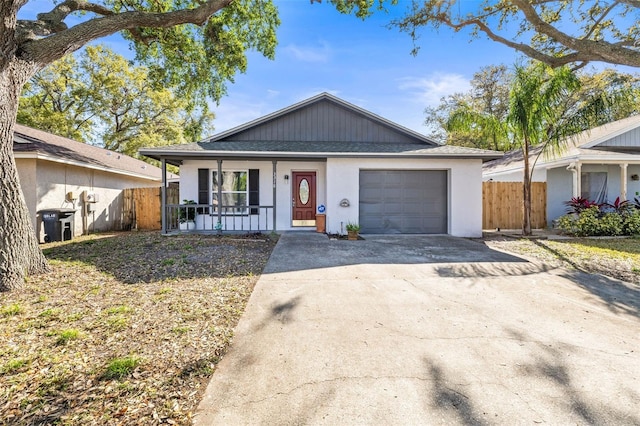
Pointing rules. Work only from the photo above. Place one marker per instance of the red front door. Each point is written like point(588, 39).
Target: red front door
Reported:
point(304, 198)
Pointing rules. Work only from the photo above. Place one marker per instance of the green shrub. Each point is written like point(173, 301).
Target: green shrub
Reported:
point(588, 222)
point(567, 224)
point(610, 224)
point(592, 221)
point(631, 223)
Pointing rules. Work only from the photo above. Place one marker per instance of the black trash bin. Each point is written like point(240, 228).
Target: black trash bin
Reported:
point(58, 224)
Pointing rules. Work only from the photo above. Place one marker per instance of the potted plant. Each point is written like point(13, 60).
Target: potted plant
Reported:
point(352, 231)
point(187, 215)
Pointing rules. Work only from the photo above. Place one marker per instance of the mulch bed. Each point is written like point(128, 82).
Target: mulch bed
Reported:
point(126, 329)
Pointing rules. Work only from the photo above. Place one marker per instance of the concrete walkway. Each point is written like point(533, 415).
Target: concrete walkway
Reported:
point(427, 330)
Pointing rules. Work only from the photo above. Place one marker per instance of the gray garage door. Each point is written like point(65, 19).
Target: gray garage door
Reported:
point(403, 201)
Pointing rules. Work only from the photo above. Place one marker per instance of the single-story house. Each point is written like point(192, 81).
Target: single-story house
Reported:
point(60, 173)
point(600, 164)
point(324, 161)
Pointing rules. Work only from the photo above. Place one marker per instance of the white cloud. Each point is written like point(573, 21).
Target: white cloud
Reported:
point(428, 90)
point(237, 110)
point(314, 54)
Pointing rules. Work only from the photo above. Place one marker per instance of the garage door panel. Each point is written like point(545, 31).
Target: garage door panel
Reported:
point(403, 201)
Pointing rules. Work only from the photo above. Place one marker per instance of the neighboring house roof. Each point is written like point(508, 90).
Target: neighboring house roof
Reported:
point(33, 143)
point(618, 141)
point(320, 127)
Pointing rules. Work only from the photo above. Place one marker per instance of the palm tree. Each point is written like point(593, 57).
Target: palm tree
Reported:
point(544, 112)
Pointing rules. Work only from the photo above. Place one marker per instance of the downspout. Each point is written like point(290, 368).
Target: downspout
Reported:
point(576, 169)
point(275, 179)
point(163, 195)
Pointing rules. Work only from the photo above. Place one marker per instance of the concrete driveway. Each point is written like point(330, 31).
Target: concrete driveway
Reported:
point(427, 330)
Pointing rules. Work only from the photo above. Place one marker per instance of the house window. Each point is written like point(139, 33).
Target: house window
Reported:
point(235, 191)
point(594, 186)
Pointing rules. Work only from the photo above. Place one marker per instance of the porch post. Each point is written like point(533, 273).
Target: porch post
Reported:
point(163, 197)
point(275, 179)
point(623, 181)
point(578, 180)
point(219, 192)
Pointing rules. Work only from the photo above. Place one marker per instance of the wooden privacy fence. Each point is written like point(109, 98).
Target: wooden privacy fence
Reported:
point(142, 207)
point(502, 205)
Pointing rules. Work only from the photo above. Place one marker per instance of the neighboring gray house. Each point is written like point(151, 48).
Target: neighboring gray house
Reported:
point(326, 156)
point(57, 172)
point(600, 165)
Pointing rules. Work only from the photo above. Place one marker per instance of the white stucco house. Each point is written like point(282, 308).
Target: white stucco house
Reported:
point(326, 160)
point(600, 165)
point(58, 173)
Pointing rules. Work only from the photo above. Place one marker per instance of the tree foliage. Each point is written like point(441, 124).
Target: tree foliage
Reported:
point(477, 118)
point(193, 45)
point(556, 32)
point(487, 101)
point(545, 107)
point(99, 97)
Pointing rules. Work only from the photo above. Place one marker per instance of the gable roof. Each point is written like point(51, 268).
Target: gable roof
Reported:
point(611, 142)
point(308, 121)
point(319, 127)
point(38, 144)
point(621, 135)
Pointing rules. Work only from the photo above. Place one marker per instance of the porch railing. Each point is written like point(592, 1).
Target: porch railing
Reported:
point(205, 218)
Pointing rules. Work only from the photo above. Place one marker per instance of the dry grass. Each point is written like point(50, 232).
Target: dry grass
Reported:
point(126, 329)
point(614, 257)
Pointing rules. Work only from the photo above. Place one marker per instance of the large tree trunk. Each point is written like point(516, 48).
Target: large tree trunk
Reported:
point(19, 251)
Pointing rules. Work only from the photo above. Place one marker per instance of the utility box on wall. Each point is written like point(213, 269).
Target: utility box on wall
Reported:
point(91, 197)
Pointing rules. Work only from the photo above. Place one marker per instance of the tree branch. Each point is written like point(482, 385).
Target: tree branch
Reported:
point(46, 50)
point(585, 49)
point(598, 21)
point(554, 61)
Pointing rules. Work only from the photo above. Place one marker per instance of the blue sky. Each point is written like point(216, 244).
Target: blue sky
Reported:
point(362, 62)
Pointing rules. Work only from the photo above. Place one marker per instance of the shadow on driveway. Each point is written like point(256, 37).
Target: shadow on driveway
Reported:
point(297, 251)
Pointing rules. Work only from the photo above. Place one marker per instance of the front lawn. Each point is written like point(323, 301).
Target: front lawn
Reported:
point(614, 257)
point(126, 329)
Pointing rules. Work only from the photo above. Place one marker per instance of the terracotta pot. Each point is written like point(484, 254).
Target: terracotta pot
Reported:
point(352, 235)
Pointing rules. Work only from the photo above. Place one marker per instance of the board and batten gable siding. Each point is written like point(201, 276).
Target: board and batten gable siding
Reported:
point(627, 140)
point(323, 121)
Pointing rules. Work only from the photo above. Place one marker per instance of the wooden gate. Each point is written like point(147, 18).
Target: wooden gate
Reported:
point(143, 207)
point(502, 205)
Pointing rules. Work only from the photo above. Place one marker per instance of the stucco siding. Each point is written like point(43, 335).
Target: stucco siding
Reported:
point(633, 186)
point(28, 176)
point(539, 175)
point(338, 179)
point(559, 190)
point(464, 190)
point(54, 181)
point(189, 180)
